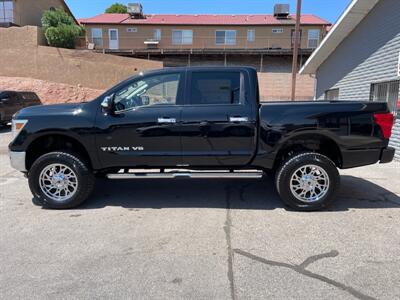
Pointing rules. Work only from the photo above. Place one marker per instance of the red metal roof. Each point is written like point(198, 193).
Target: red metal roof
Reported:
point(202, 20)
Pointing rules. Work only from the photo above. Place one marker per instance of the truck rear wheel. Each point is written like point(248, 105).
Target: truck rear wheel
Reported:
point(307, 181)
point(60, 180)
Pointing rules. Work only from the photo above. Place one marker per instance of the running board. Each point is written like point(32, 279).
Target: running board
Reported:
point(185, 175)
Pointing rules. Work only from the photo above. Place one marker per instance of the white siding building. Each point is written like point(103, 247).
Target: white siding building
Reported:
point(359, 58)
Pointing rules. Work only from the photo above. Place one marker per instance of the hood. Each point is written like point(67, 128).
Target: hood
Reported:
point(49, 110)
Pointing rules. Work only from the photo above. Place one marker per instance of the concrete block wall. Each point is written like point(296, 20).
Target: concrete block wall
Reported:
point(278, 86)
point(274, 76)
point(22, 55)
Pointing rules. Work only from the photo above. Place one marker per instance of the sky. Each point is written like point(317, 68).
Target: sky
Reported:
point(329, 10)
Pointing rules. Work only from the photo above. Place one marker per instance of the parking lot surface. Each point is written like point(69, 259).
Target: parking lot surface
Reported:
point(201, 239)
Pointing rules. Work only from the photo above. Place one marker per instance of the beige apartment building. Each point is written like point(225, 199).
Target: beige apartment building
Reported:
point(266, 34)
point(27, 12)
point(159, 36)
point(264, 41)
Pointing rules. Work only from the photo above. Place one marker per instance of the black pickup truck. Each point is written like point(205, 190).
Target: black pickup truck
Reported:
point(197, 122)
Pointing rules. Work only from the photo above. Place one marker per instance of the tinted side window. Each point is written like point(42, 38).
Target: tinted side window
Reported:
point(153, 90)
point(12, 98)
point(215, 88)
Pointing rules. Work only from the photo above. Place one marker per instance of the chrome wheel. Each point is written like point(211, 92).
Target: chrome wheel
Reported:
point(309, 183)
point(58, 182)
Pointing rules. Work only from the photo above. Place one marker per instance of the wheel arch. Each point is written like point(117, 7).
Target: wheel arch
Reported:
point(55, 141)
point(309, 141)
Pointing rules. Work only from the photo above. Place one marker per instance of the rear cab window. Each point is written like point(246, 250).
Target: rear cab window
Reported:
point(216, 88)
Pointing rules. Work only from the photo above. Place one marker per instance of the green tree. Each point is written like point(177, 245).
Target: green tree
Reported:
point(60, 29)
point(117, 8)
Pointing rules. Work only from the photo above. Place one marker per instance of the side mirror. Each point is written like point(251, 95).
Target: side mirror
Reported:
point(107, 104)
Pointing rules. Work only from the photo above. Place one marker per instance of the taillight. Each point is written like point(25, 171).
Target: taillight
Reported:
point(385, 122)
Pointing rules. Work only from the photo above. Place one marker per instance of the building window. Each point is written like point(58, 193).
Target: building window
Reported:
point(6, 11)
point(332, 94)
point(182, 37)
point(225, 37)
point(251, 35)
point(157, 34)
point(97, 36)
point(386, 92)
point(131, 29)
point(313, 38)
point(277, 30)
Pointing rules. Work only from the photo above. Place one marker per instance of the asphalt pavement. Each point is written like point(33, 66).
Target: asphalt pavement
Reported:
point(201, 239)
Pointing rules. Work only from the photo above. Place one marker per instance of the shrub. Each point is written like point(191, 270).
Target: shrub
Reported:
point(62, 36)
point(117, 8)
point(60, 28)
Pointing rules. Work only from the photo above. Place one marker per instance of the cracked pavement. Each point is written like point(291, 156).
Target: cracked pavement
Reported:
point(201, 239)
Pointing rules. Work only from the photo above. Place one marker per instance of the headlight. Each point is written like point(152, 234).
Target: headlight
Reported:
point(17, 126)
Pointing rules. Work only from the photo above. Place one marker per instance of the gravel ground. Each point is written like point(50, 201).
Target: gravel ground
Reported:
point(201, 239)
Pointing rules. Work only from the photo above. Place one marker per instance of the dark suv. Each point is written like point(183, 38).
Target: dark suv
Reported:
point(11, 102)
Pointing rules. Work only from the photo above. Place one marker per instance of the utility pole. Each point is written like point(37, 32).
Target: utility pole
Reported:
point(296, 49)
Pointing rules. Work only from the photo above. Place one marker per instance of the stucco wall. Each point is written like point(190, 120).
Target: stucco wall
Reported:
point(21, 56)
point(21, 37)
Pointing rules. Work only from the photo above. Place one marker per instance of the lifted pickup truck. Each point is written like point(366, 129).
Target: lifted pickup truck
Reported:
point(206, 122)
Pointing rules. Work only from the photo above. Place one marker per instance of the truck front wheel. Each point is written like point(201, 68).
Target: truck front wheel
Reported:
point(307, 181)
point(60, 180)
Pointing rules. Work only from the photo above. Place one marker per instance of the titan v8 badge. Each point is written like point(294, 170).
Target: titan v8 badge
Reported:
point(119, 149)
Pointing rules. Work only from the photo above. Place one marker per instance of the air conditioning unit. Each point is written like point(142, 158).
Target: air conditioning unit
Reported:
point(281, 11)
point(135, 10)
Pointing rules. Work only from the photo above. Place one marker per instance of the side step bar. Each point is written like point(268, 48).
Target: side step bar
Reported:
point(171, 175)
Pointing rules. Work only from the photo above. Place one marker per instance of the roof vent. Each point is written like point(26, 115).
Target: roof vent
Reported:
point(281, 11)
point(135, 10)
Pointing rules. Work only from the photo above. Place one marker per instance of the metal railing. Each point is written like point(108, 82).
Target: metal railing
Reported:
point(199, 42)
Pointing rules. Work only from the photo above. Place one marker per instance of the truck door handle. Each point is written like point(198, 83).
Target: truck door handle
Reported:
point(204, 123)
point(238, 119)
point(166, 120)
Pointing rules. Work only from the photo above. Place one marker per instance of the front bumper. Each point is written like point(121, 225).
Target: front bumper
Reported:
point(17, 160)
point(387, 155)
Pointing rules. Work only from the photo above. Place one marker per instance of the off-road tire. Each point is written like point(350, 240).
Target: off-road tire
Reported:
point(288, 167)
point(85, 178)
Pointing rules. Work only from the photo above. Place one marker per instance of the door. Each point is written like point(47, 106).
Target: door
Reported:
point(143, 131)
point(113, 39)
point(218, 125)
